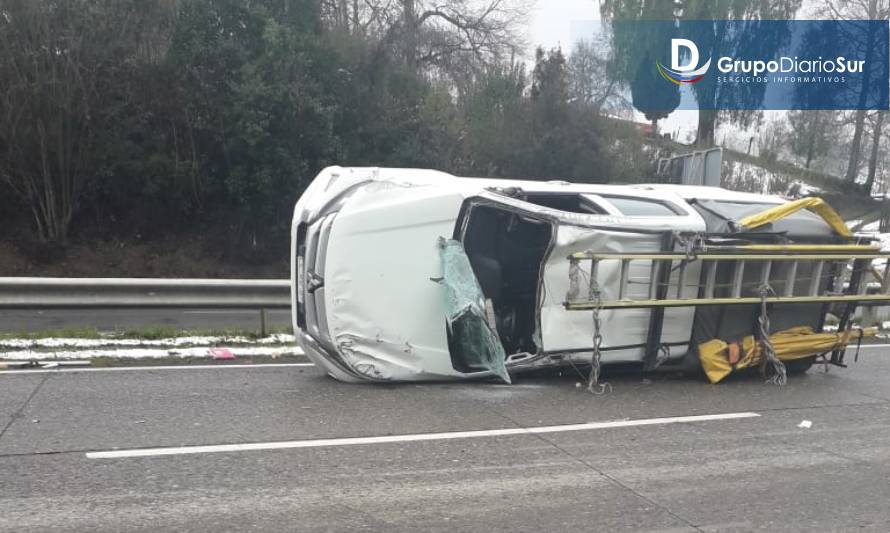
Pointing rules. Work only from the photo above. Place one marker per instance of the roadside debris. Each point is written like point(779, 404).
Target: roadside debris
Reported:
point(41, 365)
point(805, 424)
point(221, 354)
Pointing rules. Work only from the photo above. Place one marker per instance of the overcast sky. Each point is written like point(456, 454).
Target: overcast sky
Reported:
point(550, 24)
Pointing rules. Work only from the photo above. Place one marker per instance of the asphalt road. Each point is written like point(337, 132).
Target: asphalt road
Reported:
point(116, 319)
point(757, 472)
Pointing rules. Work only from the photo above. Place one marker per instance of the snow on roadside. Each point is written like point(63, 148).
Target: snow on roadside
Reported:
point(884, 239)
point(147, 353)
point(143, 343)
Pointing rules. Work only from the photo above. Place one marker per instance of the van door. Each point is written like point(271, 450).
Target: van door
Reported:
point(643, 224)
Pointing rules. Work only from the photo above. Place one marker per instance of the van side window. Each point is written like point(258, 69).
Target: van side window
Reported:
point(638, 207)
point(569, 202)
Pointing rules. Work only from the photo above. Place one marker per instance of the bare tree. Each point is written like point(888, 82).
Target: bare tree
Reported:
point(436, 33)
point(876, 129)
point(46, 111)
point(358, 17)
point(56, 58)
point(809, 134)
point(772, 139)
point(857, 10)
point(590, 84)
point(438, 30)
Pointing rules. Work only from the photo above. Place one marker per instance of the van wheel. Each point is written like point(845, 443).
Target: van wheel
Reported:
point(799, 366)
point(690, 365)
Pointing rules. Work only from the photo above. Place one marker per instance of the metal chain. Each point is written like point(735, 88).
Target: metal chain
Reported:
point(593, 384)
point(664, 355)
point(770, 365)
point(689, 248)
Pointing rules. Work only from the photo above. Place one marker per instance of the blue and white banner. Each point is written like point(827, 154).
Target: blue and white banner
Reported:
point(759, 64)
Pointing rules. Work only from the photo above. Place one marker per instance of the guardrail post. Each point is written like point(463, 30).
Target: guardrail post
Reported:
point(263, 322)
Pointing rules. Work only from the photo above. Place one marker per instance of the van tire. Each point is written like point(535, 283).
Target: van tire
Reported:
point(799, 366)
point(690, 365)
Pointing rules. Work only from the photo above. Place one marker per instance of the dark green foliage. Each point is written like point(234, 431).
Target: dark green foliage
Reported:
point(536, 133)
point(216, 114)
point(636, 48)
point(651, 96)
point(564, 141)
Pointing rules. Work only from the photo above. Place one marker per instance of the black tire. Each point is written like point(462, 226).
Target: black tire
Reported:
point(799, 366)
point(690, 365)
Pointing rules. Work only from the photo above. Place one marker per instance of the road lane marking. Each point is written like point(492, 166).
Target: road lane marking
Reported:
point(61, 370)
point(236, 312)
point(452, 435)
point(222, 312)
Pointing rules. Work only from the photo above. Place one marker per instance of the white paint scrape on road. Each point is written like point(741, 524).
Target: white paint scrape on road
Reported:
point(356, 441)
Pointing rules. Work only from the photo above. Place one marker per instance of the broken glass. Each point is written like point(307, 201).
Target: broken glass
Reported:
point(473, 342)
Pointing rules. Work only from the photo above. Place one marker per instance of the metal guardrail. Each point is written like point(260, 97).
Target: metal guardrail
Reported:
point(695, 168)
point(85, 293)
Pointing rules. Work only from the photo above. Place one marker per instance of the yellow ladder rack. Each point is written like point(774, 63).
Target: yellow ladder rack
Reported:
point(738, 260)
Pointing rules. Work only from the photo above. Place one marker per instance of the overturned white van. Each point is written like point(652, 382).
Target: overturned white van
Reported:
point(415, 275)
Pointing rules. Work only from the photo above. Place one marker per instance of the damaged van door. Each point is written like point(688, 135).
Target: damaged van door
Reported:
point(518, 243)
point(472, 338)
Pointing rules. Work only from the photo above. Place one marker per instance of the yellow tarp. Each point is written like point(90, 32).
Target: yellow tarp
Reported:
point(719, 358)
point(817, 205)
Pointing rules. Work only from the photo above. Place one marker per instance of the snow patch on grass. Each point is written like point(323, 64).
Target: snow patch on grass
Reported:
point(147, 353)
point(76, 343)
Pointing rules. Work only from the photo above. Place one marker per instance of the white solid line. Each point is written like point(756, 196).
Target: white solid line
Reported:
point(222, 312)
point(852, 347)
point(234, 312)
point(321, 443)
point(62, 370)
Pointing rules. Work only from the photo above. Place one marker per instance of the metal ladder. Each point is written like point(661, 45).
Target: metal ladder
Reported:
point(661, 294)
point(710, 292)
